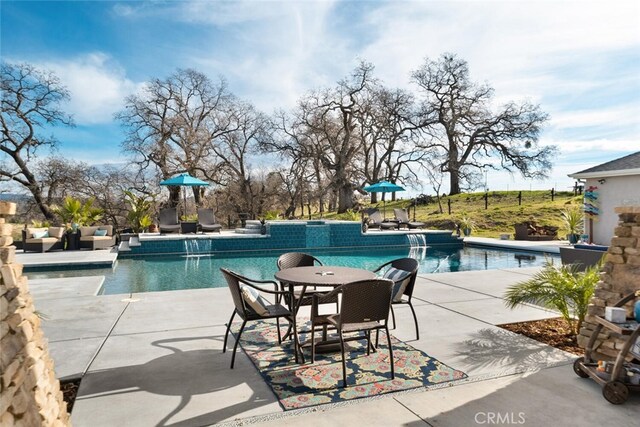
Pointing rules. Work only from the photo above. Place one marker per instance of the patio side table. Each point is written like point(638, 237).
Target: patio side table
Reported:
point(188, 227)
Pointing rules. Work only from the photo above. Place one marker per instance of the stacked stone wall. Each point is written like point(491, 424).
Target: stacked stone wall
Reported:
point(29, 390)
point(619, 277)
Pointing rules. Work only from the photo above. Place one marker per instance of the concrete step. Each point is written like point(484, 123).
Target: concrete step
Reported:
point(247, 231)
point(134, 241)
point(124, 247)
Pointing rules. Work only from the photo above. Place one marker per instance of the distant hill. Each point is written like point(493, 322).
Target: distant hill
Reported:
point(14, 197)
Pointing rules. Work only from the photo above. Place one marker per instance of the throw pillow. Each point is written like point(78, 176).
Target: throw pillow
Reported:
point(41, 234)
point(254, 300)
point(400, 279)
point(100, 233)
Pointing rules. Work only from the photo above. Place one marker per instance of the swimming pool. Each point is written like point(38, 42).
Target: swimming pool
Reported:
point(164, 273)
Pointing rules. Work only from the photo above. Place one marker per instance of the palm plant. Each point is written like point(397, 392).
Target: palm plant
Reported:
point(573, 221)
point(73, 211)
point(140, 207)
point(562, 288)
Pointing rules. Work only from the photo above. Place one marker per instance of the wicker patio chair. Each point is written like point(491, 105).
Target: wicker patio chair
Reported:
point(377, 221)
point(207, 220)
point(364, 308)
point(298, 259)
point(403, 284)
point(248, 308)
point(169, 221)
point(403, 217)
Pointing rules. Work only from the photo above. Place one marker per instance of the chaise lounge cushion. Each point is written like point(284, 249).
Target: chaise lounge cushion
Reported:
point(94, 238)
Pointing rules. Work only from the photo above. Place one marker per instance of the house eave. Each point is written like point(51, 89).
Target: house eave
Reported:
point(605, 174)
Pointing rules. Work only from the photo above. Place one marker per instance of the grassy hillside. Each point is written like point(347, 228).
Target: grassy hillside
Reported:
point(502, 213)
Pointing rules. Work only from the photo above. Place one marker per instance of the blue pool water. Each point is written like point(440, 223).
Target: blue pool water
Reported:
point(163, 273)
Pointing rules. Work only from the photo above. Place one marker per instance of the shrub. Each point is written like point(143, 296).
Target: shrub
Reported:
point(562, 288)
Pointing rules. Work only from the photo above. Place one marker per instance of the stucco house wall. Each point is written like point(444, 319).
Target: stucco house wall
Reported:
point(615, 191)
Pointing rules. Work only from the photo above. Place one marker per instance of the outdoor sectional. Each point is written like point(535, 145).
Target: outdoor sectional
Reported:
point(32, 240)
point(88, 238)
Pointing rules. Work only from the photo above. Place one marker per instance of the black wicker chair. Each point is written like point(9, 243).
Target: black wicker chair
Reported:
point(364, 308)
point(246, 313)
point(169, 221)
point(410, 265)
point(298, 259)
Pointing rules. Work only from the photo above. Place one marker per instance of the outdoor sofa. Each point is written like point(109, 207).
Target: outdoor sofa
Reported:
point(96, 237)
point(43, 239)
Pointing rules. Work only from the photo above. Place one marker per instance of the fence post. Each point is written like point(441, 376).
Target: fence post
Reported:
point(553, 193)
point(449, 205)
point(486, 201)
point(520, 198)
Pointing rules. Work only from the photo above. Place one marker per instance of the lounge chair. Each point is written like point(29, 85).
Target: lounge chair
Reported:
point(250, 305)
point(582, 257)
point(403, 217)
point(207, 220)
point(403, 273)
point(377, 221)
point(96, 237)
point(169, 221)
point(43, 239)
point(364, 308)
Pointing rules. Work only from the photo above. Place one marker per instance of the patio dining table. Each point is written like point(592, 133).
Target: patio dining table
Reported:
point(328, 276)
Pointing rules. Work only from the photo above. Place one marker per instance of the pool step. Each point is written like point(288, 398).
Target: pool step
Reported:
point(251, 227)
point(126, 245)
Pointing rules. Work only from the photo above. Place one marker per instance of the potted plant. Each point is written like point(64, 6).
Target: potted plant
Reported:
point(467, 225)
point(573, 221)
point(139, 209)
point(263, 226)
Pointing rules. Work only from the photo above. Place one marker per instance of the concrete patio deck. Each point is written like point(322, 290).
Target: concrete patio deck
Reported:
point(154, 359)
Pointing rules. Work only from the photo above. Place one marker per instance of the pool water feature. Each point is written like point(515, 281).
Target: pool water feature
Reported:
point(175, 272)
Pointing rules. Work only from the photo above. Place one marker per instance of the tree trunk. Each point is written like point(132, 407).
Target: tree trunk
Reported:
point(345, 198)
point(374, 197)
point(454, 183)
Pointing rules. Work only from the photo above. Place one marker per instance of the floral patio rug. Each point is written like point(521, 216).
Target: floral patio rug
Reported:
point(299, 386)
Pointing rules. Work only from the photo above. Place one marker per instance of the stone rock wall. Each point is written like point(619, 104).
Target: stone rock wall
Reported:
point(619, 277)
point(29, 390)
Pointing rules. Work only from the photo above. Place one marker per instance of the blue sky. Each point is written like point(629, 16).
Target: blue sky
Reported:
point(579, 60)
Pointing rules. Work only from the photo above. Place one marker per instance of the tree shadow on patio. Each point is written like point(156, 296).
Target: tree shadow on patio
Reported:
point(187, 374)
point(498, 348)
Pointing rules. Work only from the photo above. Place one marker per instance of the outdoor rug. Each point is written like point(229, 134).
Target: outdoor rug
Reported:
point(299, 386)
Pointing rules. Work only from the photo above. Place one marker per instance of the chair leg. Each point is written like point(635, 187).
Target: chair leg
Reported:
point(313, 344)
point(393, 316)
point(386, 328)
point(226, 334)
point(368, 337)
point(415, 320)
point(296, 343)
point(344, 364)
point(235, 346)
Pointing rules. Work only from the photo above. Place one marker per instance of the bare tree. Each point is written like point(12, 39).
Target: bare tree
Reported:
point(471, 135)
point(171, 124)
point(30, 103)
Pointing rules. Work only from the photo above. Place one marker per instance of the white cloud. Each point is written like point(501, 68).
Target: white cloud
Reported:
point(98, 86)
point(619, 115)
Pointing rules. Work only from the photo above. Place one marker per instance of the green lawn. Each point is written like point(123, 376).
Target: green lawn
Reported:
point(502, 213)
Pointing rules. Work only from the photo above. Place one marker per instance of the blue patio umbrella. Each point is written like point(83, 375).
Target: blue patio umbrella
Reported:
point(383, 187)
point(184, 180)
